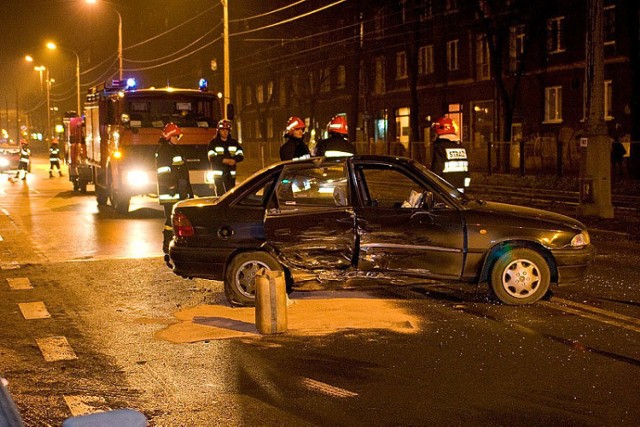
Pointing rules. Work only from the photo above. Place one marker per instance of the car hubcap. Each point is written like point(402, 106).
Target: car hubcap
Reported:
point(246, 277)
point(521, 278)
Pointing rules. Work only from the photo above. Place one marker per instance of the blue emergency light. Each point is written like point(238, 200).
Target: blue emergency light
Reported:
point(131, 83)
point(203, 84)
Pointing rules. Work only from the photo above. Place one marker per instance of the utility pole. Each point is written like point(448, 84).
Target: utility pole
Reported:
point(595, 180)
point(227, 84)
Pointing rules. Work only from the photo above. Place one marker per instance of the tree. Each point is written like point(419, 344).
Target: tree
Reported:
point(510, 31)
point(631, 9)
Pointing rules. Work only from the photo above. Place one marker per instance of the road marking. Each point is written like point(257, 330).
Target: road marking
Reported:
point(597, 310)
point(327, 388)
point(19, 283)
point(1, 239)
point(56, 348)
point(591, 316)
point(4, 211)
point(34, 310)
point(13, 265)
point(84, 405)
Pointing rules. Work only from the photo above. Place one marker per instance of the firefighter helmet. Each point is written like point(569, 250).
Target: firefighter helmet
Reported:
point(171, 129)
point(338, 124)
point(23, 141)
point(445, 126)
point(54, 140)
point(224, 124)
point(294, 123)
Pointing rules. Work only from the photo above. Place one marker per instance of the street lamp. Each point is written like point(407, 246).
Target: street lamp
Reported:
point(119, 35)
point(52, 46)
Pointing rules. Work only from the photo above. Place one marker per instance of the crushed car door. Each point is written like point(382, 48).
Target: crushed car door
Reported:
point(397, 233)
point(309, 220)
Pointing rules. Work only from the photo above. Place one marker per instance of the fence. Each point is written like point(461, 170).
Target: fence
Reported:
point(540, 155)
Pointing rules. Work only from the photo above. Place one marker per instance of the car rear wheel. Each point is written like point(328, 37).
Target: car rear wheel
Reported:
point(239, 284)
point(520, 276)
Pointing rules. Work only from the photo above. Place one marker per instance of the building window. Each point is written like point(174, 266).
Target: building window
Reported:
point(379, 84)
point(249, 96)
point(239, 94)
point(258, 131)
point(450, 6)
point(553, 104)
point(325, 86)
point(260, 93)
point(608, 100)
point(452, 55)
point(341, 77)
point(555, 35)
point(516, 46)
point(609, 24)
point(401, 65)
point(427, 10)
point(378, 24)
point(425, 60)
point(269, 127)
point(269, 90)
point(482, 58)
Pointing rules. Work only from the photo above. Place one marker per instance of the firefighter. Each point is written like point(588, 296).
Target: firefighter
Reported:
point(173, 178)
point(337, 144)
point(449, 158)
point(294, 147)
point(224, 154)
point(54, 157)
point(24, 165)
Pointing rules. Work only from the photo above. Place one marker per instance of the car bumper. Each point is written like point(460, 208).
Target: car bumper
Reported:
point(572, 264)
point(205, 263)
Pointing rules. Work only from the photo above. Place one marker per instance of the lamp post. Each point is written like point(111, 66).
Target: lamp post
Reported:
point(227, 84)
point(52, 46)
point(119, 36)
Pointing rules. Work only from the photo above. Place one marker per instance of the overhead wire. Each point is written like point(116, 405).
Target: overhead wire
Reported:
point(267, 13)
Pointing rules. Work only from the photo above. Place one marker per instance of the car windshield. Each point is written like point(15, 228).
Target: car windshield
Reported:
point(444, 185)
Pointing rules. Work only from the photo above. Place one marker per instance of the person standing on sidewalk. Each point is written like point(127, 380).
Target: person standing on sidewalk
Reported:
point(224, 154)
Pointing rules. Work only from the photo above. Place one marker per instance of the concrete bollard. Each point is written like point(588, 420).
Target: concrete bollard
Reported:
point(271, 302)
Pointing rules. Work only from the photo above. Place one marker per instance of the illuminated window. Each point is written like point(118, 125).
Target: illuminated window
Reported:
point(555, 35)
point(425, 60)
point(483, 67)
point(401, 65)
point(516, 46)
point(553, 104)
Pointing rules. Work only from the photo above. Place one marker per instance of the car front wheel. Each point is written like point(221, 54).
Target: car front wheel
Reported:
point(239, 284)
point(520, 276)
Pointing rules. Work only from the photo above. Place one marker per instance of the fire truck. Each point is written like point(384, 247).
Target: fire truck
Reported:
point(122, 127)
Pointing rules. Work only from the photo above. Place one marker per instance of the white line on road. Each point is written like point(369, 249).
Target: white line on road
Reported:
point(19, 283)
point(34, 310)
point(1, 239)
point(597, 310)
point(591, 316)
point(56, 348)
point(327, 388)
point(4, 211)
point(84, 405)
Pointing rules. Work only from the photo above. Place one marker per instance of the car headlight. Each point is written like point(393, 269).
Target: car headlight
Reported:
point(4, 162)
point(137, 178)
point(581, 239)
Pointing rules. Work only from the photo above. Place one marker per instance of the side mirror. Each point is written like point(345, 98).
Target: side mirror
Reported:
point(427, 200)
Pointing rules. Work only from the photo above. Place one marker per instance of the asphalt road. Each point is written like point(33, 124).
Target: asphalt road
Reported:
point(123, 332)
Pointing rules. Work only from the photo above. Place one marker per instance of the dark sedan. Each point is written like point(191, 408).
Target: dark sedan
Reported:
point(373, 216)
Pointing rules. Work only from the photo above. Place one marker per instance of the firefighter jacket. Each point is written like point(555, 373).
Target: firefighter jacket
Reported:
point(218, 150)
point(54, 153)
point(25, 155)
point(335, 146)
point(173, 174)
point(449, 160)
point(294, 149)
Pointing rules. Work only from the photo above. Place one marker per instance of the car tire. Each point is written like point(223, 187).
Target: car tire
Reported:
point(239, 284)
point(520, 276)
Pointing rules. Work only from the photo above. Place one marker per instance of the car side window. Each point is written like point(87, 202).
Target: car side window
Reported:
point(257, 195)
point(390, 188)
point(324, 186)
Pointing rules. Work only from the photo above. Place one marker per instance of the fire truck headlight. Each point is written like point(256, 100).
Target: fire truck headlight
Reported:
point(137, 178)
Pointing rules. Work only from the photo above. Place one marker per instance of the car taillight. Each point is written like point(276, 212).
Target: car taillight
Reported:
point(181, 225)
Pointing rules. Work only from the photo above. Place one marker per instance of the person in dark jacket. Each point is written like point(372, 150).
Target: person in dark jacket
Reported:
point(294, 147)
point(173, 178)
point(337, 144)
point(224, 154)
point(449, 157)
point(54, 157)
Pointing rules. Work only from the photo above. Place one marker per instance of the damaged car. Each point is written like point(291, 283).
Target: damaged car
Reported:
point(372, 216)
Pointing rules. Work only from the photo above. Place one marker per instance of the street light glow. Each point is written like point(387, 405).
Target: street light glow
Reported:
point(51, 45)
point(28, 58)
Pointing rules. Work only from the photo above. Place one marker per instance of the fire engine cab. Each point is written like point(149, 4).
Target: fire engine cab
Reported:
point(122, 127)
